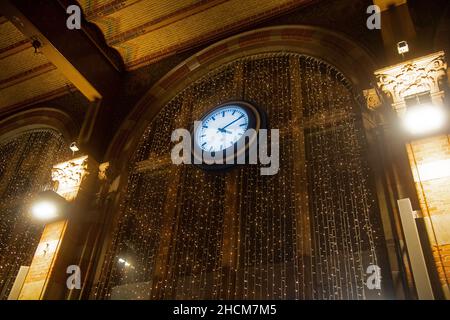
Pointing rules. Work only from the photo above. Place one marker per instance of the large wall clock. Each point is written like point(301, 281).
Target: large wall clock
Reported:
point(223, 129)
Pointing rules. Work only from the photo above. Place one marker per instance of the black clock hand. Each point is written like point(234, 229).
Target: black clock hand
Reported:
point(220, 129)
point(223, 130)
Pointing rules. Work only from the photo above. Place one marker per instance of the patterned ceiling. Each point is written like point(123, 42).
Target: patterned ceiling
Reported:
point(144, 31)
point(25, 77)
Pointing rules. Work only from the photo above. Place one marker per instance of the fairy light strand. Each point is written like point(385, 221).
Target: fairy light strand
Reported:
point(270, 228)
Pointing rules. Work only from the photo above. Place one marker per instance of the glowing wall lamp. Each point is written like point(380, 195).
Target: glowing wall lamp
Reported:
point(56, 209)
point(423, 117)
point(49, 206)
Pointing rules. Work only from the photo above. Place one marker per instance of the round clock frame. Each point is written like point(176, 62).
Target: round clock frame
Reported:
point(256, 121)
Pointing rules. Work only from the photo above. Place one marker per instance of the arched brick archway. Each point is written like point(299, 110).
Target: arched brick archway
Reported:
point(334, 48)
point(39, 118)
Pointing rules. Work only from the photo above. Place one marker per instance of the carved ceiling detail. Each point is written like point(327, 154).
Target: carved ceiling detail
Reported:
point(144, 32)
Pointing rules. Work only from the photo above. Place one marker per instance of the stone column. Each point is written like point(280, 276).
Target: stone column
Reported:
point(164, 272)
point(65, 242)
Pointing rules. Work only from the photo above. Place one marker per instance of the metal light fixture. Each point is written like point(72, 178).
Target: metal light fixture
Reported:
point(74, 147)
point(37, 45)
point(49, 206)
point(402, 47)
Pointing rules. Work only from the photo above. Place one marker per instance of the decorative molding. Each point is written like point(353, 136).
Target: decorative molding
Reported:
point(68, 176)
point(68, 88)
point(118, 23)
point(39, 117)
point(15, 48)
point(26, 75)
point(160, 22)
point(373, 100)
point(103, 170)
point(413, 77)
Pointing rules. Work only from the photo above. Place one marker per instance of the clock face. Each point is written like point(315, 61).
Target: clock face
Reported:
point(222, 128)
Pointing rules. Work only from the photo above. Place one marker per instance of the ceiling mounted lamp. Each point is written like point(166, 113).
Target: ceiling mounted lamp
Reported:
point(37, 46)
point(48, 206)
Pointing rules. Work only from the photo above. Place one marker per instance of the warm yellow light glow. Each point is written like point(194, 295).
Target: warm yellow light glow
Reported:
point(434, 170)
point(424, 119)
point(125, 263)
point(45, 210)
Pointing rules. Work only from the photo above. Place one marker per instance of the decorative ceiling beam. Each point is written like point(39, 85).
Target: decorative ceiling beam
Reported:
point(108, 8)
point(66, 49)
point(15, 48)
point(81, 55)
point(37, 99)
point(28, 74)
point(163, 21)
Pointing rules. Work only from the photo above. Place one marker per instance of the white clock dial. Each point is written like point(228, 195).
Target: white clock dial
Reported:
point(222, 128)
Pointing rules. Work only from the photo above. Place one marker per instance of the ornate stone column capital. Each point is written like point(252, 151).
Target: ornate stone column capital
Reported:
point(413, 77)
point(373, 100)
point(103, 171)
point(69, 175)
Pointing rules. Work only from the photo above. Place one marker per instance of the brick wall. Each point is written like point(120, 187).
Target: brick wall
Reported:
point(442, 258)
point(430, 163)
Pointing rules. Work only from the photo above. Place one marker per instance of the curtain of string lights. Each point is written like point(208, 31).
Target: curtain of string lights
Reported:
point(25, 169)
point(309, 232)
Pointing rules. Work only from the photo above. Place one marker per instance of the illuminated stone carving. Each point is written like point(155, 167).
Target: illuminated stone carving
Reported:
point(103, 171)
point(68, 176)
point(413, 77)
point(373, 100)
